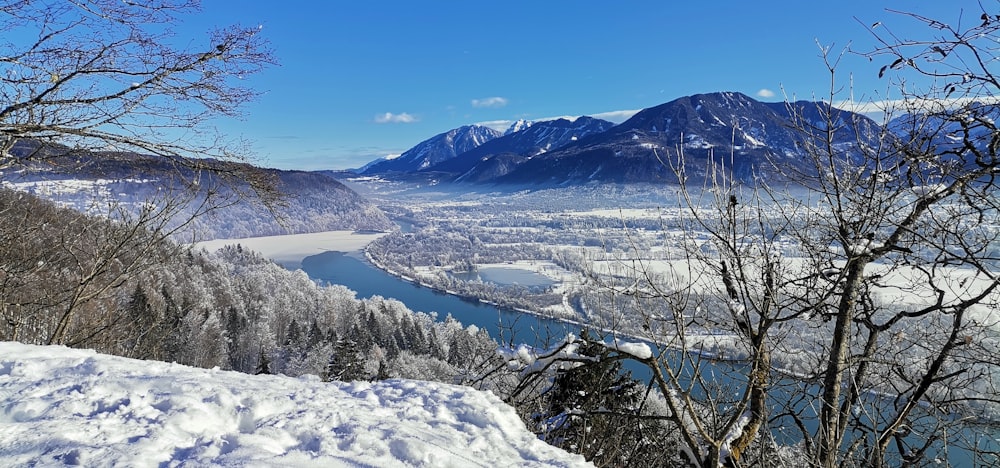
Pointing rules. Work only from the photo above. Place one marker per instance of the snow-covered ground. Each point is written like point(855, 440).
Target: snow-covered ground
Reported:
point(61, 406)
point(97, 188)
point(289, 250)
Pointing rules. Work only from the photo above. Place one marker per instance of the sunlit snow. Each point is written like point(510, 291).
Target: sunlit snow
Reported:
point(70, 186)
point(61, 406)
point(638, 349)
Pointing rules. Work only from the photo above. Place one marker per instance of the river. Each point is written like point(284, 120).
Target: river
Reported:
point(504, 325)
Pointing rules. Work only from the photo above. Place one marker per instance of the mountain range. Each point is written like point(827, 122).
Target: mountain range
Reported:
point(690, 136)
point(499, 156)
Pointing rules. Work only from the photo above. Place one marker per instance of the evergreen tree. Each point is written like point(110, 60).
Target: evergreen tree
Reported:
point(263, 363)
point(236, 328)
point(434, 345)
point(595, 410)
point(375, 330)
point(315, 335)
point(168, 334)
point(414, 337)
point(142, 319)
point(460, 348)
point(294, 335)
point(345, 363)
point(383, 371)
point(361, 335)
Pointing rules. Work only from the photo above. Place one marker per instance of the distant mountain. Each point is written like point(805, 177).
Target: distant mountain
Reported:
point(364, 168)
point(725, 132)
point(311, 202)
point(497, 157)
point(435, 150)
point(734, 133)
point(518, 126)
point(945, 131)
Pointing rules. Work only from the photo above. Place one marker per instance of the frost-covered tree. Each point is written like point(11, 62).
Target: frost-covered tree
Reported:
point(263, 364)
point(844, 312)
point(598, 410)
point(78, 78)
point(105, 75)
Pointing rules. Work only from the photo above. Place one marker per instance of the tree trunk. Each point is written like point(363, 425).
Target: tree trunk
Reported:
point(830, 436)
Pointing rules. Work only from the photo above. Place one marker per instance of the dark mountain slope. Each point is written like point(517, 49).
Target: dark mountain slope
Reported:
point(497, 157)
point(729, 133)
point(435, 150)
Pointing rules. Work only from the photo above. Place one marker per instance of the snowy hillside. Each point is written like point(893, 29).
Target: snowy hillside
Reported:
point(76, 407)
point(104, 182)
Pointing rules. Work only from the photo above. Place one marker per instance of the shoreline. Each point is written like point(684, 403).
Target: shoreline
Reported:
point(288, 250)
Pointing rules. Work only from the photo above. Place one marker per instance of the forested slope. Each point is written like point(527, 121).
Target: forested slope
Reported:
point(93, 282)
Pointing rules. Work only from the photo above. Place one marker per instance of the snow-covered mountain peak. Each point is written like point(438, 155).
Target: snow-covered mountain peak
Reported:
point(436, 149)
point(515, 127)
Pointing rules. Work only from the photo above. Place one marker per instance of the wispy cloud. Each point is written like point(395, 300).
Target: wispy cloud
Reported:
point(498, 125)
point(618, 116)
point(495, 101)
point(765, 93)
point(877, 109)
point(389, 117)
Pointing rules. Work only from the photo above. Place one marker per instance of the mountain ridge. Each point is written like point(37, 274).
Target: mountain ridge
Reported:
point(310, 201)
point(495, 157)
point(706, 132)
point(434, 150)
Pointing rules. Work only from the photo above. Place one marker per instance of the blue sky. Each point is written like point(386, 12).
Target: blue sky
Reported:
point(361, 80)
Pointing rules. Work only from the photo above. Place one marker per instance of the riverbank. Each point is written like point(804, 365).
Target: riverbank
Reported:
point(371, 259)
point(289, 250)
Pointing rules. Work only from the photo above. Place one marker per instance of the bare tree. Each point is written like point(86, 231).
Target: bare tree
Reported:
point(847, 308)
point(110, 84)
point(112, 76)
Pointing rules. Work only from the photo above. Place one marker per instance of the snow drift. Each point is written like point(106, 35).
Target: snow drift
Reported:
point(70, 406)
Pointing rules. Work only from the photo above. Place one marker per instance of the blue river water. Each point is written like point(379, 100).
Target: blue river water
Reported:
point(504, 325)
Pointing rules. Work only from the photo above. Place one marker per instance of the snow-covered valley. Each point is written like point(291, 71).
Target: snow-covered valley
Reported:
point(620, 259)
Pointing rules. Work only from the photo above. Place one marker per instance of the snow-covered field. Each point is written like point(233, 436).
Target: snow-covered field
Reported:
point(289, 250)
point(898, 286)
point(61, 406)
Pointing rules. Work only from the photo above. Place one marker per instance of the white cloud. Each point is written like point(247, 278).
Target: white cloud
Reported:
point(765, 93)
point(499, 125)
point(389, 117)
point(618, 116)
point(878, 109)
point(495, 101)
